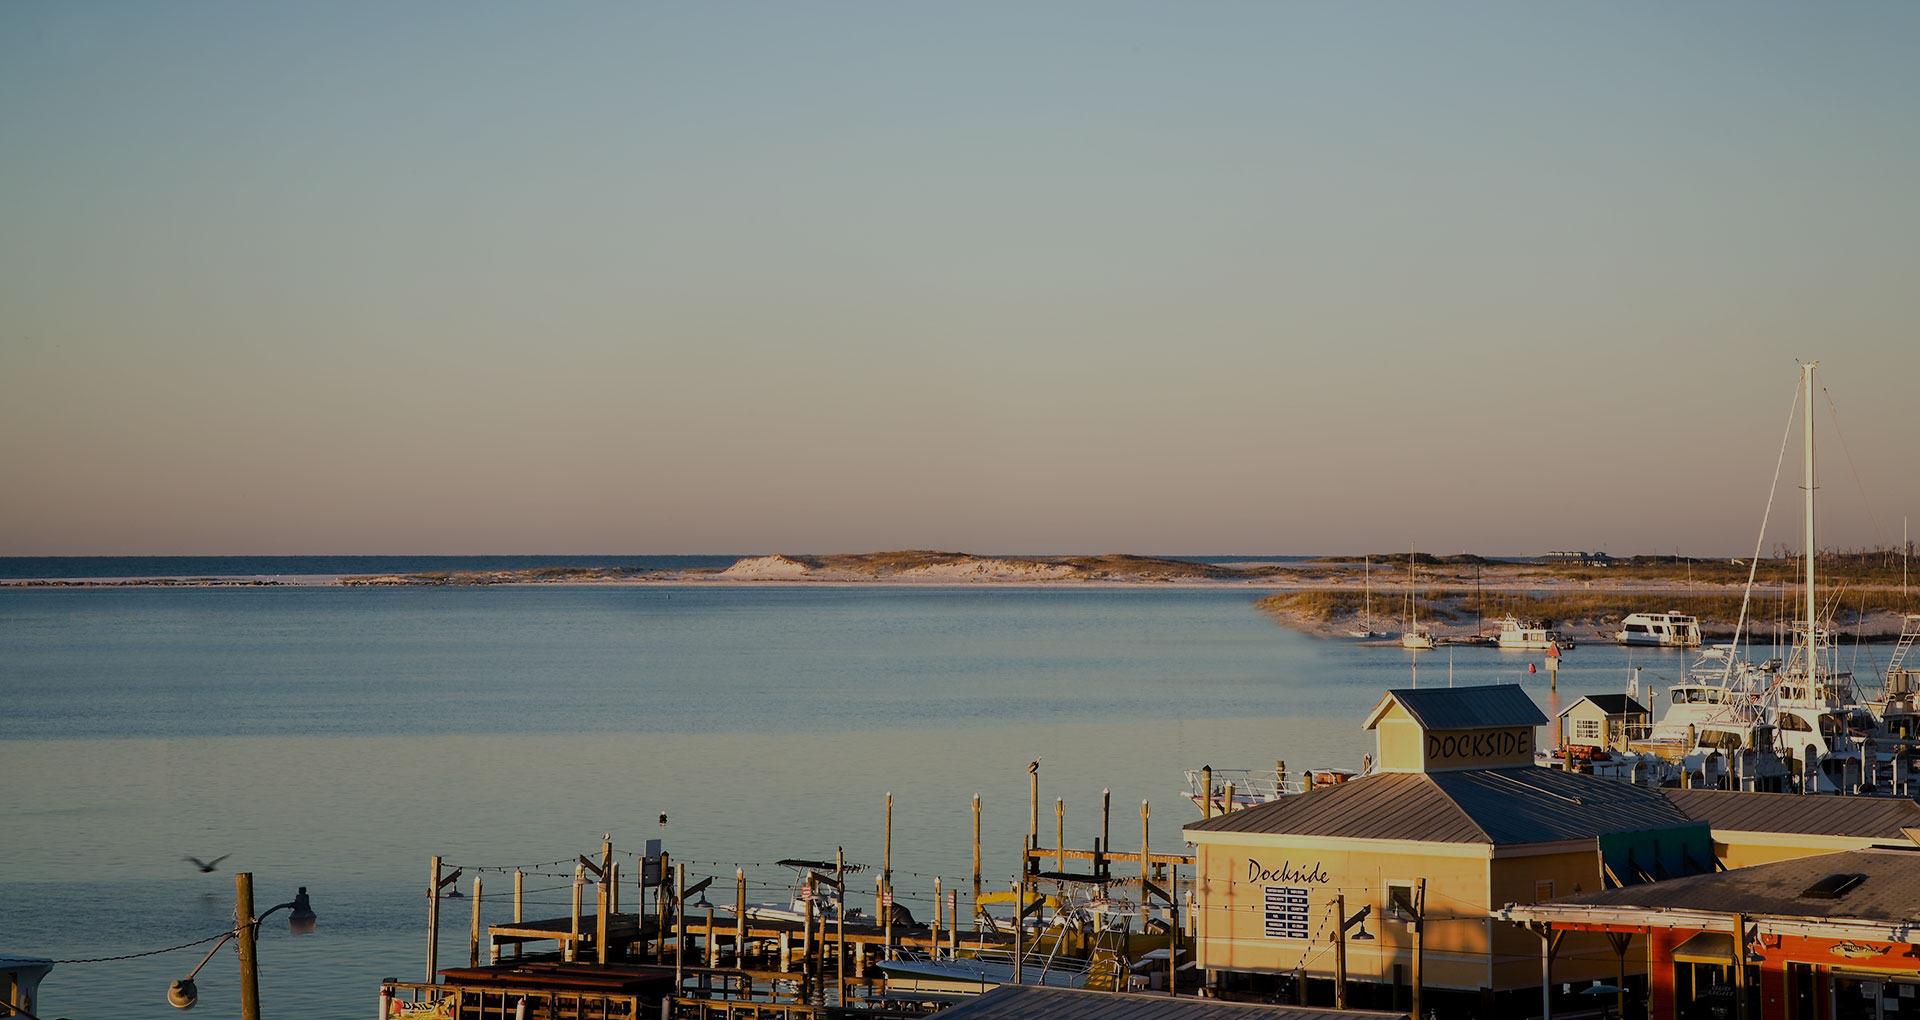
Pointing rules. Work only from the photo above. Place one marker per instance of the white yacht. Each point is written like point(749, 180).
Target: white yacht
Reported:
point(1661, 630)
point(1515, 634)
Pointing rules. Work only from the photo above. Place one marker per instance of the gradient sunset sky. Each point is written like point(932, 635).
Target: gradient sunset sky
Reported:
point(1040, 277)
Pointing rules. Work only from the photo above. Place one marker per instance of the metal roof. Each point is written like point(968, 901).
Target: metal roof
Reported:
point(1463, 708)
point(1730, 811)
point(1033, 1002)
point(1890, 891)
point(1522, 804)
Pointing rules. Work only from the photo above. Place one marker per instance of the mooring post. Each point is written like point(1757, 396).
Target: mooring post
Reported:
point(740, 918)
point(1105, 849)
point(840, 923)
point(1060, 833)
point(1206, 791)
point(579, 881)
point(519, 904)
point(433, 920)
point(473, 934)
point(976, 858)
point(661, 884)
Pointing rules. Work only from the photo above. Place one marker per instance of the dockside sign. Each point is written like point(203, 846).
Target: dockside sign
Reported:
point(1286, 906)
point(1479, 747)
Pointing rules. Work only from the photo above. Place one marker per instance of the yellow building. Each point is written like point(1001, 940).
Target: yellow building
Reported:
point(1457, 820)
point(1760, 828)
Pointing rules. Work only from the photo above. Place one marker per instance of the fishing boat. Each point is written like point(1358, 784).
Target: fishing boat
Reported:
point(1660, 630)
point(1798, 723)
point(1515, 634)
point(814, 896)
point(1367, 576)
point(1414, 637)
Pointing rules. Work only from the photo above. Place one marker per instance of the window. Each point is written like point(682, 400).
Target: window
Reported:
point(1400, 901)
point(1542, 890)
point(1586, 729)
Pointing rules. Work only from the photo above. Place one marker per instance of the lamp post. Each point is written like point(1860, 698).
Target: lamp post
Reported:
point(1340, 945)
point(183, 994)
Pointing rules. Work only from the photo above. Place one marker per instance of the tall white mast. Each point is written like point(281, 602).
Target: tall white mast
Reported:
point(1806, 374)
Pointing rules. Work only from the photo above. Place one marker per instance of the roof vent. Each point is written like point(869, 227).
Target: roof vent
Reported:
point(1832, 887)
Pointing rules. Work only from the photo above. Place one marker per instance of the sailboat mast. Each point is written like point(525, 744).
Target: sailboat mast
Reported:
point(1806, 374)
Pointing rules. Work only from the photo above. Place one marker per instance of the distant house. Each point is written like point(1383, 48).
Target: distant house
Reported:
point(1605, 721)
point(1583, 559)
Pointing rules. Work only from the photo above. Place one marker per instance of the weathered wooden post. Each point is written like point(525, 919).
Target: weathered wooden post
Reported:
point(244, 924)
point(840, 923)
point(579, 883)
point(1106, 835)
point(433, 921)
point(740, 918)
point(473, 934)
point(886, 868)
point(519, 904)
point(976, 857)
point(1206, 791)
point(1060, 833)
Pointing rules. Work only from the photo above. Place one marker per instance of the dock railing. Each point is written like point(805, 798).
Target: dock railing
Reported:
point(412, 999)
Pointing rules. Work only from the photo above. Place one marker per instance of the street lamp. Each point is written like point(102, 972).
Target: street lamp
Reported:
point(1340, 945)
point(301, 920)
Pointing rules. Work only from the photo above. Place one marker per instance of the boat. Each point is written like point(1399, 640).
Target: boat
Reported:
point(814, 896)
point(1793, 724)
point(1515, 634)
point(1221, 790)
point(1414, 637)
point(20, 978)
point(1672, 629)
point(1367, 575)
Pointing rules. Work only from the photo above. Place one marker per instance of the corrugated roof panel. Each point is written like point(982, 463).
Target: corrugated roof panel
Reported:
point(1890, 891)
point(1523, 804)
point(1527, 804)
point(1466, 708)
point(1032, 1002)
point(1731, 811)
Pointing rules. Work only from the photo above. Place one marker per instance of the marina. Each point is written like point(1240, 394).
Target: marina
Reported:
point(352, 753)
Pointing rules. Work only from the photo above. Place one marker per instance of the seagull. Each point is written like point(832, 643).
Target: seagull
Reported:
point(206, 866)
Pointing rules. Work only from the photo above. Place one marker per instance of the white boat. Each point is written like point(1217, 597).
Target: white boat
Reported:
point(1515, 634)
point(1217, 791)
point(1367, 631)
point(1414, 637)
point(813, 896)
point(1661, 630)
point(1799, 724)
point(20, 978)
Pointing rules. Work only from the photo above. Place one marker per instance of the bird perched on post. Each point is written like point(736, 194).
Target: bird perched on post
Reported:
point(206, 866)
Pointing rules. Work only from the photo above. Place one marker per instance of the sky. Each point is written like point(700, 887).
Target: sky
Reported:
point(1015, 277)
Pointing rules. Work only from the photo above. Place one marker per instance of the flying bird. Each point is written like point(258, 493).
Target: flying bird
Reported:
point(206, 866)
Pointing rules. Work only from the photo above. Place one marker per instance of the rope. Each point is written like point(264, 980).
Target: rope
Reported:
point(150, 952)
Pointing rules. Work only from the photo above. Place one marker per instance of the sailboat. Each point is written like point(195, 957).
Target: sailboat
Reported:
point(1367, 631)
point(1414, 637)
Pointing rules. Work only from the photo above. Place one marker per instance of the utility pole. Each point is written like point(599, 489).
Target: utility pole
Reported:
point(243, 922)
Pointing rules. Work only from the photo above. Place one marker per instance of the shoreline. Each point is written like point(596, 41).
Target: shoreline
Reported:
point(1321, 598)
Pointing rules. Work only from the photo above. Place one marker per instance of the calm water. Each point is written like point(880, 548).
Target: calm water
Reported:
point(338, 739)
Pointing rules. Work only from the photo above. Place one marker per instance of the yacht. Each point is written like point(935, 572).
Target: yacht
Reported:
point(1514, 634)
point(1661, 630)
